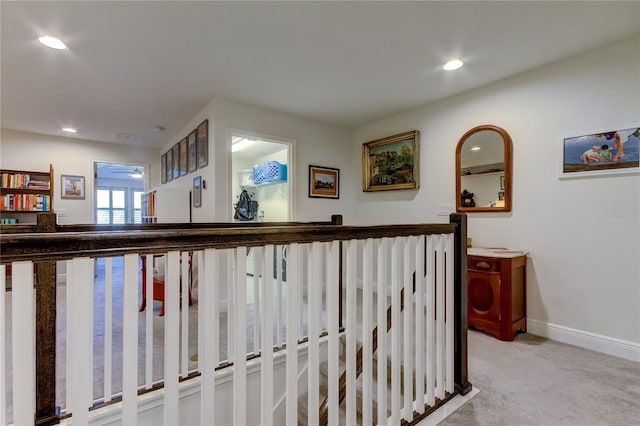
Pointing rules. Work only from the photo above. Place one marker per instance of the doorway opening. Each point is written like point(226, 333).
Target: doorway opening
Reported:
point(118, 193)
point(262, 166)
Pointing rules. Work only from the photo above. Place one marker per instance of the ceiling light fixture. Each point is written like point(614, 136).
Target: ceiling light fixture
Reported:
point(242, 144)
point(52, 42)
point(136, 174)
point(69, 130)
point(475, 148)
point(453, 64)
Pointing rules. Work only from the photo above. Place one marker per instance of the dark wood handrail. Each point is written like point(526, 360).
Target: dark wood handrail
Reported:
point(66, 245)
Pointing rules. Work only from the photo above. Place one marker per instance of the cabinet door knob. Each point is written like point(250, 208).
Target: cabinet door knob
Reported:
point(483, 265)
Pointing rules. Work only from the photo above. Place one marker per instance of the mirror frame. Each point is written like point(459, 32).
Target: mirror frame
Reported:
point(506, 139)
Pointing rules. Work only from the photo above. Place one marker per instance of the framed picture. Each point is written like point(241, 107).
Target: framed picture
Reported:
point(176, 161)
point(502, 183)
point(391, 163)
point(169, 169)
point(197, 191)
point(192, 151)
point(602, 152)
point(163, 168)
point(324, 182)
point(203, 144)
point(72, 187)
point(183, 157)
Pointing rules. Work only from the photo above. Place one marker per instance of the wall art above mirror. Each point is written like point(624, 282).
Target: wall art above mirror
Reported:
point(483, 170)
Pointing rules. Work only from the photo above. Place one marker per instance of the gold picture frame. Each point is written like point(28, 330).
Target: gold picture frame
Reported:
point(391, 163)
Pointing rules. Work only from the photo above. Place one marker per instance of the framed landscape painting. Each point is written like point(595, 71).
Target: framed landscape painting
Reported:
point(183, 157)
point(203, 144)
point(391, 163)
point(176, 161)
point(603, 152)
point(192, 151)
point(324, 182)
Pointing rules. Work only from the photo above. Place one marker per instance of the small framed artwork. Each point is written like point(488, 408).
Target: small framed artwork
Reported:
point(192, 152)
point(197, 191)
point(183, 157)
point(163, 168)
point(501, 183)
point(614, 150)
point(324, 182)
point(176, 161)
point(169, 169)
point(203, 144)
point(391, 163)
point(72, 187)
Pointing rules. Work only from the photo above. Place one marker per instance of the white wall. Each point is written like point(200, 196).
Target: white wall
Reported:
point(71, 156)
point(583, 234)
point(315, 143)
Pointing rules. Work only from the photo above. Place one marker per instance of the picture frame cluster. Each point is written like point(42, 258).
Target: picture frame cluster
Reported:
point(186, 156)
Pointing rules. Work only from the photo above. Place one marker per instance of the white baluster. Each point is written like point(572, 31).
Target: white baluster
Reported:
point(240, 349)
point(396, 328)
point(383, 272)
point(266, 373)
point(257, 272)
point(333, 313)
point(351, 330)
point(3, 349)
point(292, 335)
point(280, 304)
point(108, 326)
point(407, 325)
point(208, 332)
point(185, 285)
point(171, 337)
point(130, 340)
point(231, 283)
point(314, 303)
point(430, 323)
point(439, 318)
point(80, 294)
point(450, 298)
point(23, 337)
point(148, 322)
point(367, 327)
point(420, 324)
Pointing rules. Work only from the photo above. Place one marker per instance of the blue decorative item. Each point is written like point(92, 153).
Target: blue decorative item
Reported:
point(270, 172)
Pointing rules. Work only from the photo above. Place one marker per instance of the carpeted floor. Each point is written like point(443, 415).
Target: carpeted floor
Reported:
point(536, 381)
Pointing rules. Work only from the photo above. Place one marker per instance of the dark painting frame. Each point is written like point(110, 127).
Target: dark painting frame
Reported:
point(203, 144)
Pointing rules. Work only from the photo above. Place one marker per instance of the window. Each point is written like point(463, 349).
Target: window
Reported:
point(112, 207)
point(137, 206)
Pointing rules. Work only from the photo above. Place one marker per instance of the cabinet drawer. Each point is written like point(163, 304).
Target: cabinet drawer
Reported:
point(483, 264)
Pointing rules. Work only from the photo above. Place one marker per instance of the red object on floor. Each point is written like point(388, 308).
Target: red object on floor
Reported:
point(158, 286)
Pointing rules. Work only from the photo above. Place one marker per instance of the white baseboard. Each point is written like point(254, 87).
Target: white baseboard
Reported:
point(584, 339)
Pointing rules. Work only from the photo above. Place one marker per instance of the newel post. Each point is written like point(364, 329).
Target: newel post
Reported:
point(46, 412)
point(461, 377)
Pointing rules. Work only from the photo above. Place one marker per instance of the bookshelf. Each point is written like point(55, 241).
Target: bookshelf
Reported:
point(25, 192)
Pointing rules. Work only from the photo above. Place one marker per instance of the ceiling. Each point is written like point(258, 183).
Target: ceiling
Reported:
point(132, 66)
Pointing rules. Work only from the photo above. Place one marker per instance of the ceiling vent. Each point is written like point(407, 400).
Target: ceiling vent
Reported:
point(126, 138)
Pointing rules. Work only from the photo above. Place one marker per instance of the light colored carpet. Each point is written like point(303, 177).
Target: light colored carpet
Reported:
point(536, 381)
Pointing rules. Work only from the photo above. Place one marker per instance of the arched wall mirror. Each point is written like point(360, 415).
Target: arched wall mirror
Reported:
point(483, 170)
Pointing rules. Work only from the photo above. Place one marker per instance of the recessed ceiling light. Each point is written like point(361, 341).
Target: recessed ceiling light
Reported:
point(69, 129)
point(52, 42)
point(453, 64)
